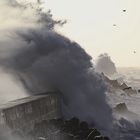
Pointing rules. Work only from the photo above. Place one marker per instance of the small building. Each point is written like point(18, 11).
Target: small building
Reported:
point(21, 115)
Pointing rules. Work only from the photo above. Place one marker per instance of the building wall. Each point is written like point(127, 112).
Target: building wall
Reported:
point(23, 117)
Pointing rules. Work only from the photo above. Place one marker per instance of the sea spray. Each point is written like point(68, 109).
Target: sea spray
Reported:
point(34, 52)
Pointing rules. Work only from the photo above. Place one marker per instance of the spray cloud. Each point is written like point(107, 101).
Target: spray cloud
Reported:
point(105, 64)
point(41, 59)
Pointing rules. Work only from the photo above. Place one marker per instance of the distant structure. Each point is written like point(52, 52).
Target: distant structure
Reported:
point(21, 115)
point(105, 64)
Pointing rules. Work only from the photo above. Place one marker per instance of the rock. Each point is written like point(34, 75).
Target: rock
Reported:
point(84, 130)
point(130, 91)
point(123, 86)
point(121, 107)
point(71, 129)
point(123, 111)
point(98, 138)
point(72, 126)
point(101, 138)
point(83, 126)
point(115, 84)
point(106, 138)
point(41, 138)
point(94, 133)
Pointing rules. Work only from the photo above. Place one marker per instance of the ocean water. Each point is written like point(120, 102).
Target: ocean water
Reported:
point(131, 76)
point(128, 123)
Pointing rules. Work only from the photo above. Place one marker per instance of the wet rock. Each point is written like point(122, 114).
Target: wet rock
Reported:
point(101, 138)
point(41, 138)
point(71, 129)
point(121, 107)
point(106, 138)
point(94, 133)
point(72, 126)
point(84, 130)
point(83, 126)
point(98, 138)
point(124, 86)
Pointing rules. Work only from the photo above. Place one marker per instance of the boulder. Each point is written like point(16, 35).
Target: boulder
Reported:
point(121, 107)
point(94, 133)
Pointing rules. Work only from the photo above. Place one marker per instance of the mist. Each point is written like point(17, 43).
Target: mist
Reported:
point(35, 58)
point(105, 64)
point(41, 59)
point(10, 89)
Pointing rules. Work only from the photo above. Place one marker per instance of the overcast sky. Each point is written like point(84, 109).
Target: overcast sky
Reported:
point(91, 24)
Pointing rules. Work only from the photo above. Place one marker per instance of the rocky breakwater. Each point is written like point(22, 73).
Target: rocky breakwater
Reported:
point(59, 129)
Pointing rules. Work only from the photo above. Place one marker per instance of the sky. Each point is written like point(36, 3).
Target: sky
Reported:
point(91, 24)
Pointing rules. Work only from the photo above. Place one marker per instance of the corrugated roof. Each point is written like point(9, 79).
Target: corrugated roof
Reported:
point(28, 99)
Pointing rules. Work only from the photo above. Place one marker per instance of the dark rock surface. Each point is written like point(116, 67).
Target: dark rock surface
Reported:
point(115, 84)
point(121, 107)
point(122, 110)
point(59, 129)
